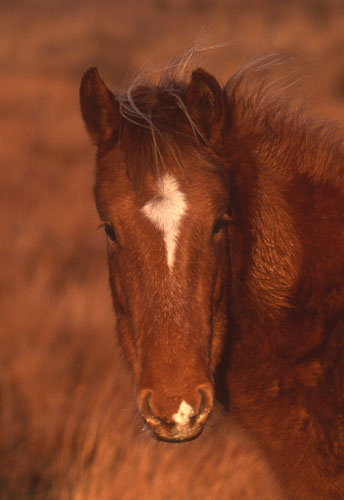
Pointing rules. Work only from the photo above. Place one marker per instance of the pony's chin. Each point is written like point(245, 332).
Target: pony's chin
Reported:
point(179, 439)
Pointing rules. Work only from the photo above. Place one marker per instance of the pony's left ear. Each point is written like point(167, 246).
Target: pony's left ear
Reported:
point(207, 104)
point(99, 108)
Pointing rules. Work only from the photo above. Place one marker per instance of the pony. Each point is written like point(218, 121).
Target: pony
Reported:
point(224, 215)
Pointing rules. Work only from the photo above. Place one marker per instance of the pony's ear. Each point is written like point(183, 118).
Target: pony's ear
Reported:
point(99, 108)
point(206, 102)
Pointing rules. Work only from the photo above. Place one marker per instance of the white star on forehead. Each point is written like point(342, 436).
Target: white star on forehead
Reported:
point(165, 211)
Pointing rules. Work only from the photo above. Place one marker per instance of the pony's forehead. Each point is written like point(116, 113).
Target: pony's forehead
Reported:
point(117, 189)
point(140, 159)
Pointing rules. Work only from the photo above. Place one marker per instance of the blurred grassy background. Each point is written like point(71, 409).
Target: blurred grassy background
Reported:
point(69, 428)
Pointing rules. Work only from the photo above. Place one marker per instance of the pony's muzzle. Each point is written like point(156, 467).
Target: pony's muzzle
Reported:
point(178, 424)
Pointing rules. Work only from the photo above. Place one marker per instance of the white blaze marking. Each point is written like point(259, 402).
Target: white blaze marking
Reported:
point(165, 211)
point(184, 414)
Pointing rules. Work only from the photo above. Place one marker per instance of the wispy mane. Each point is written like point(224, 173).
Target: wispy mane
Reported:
point(173, 78)
point(146, 99)
point(170, 78)
point(161, 127)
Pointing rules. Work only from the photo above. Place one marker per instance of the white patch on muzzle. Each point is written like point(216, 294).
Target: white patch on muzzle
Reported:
point(165, 211)
point(184, 413)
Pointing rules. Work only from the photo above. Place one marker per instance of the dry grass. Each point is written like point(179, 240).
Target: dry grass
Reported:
point(69, 429)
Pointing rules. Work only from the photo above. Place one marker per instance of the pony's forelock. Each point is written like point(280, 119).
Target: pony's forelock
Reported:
point(154, 103)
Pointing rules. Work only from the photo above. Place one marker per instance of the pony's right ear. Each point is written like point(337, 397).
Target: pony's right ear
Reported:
point(99, 108)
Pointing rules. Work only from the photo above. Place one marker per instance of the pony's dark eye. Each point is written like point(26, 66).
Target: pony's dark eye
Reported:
point(221, 224)
point(110, 231)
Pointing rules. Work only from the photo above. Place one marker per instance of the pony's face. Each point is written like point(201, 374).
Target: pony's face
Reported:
point(168, 257)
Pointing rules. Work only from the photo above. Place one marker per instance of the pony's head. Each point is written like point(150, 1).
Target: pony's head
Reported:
point(162, 193)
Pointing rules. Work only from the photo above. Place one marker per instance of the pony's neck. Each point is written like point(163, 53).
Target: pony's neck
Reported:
point(287, 252)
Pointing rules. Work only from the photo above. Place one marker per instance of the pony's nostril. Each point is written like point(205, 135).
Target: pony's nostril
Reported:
point(145, 407)
point(206, 405)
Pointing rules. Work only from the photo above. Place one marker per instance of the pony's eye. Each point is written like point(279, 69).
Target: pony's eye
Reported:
point(221, 224)
point(110, 231)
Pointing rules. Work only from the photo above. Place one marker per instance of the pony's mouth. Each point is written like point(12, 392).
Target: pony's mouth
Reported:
point(175, 433)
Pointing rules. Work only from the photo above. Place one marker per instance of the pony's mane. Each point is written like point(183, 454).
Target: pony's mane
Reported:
point(287, 137)
point(161, 128)
point(171, 80)
point(151, 107)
